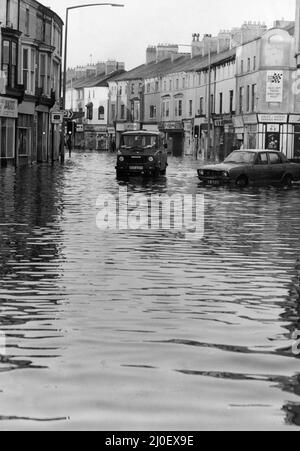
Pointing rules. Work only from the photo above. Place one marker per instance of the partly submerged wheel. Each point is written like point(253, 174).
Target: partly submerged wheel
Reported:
point(242, 181)
point(288, 180)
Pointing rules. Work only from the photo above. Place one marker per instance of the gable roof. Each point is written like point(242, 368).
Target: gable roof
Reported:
point(101, 80)
point(181, 64)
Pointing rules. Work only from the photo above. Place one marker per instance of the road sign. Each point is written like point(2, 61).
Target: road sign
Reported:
point(80, 128)
point(68, 114)
point(57, 118)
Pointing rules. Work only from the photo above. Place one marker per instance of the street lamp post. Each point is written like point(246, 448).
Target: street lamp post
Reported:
point(90, 5)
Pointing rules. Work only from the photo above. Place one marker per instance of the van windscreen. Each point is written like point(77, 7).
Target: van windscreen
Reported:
point(140, 141)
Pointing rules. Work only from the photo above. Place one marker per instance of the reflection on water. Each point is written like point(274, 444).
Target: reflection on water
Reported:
point(145, 330)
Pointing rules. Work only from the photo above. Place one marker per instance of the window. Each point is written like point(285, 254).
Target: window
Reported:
point(254, 98)
point(101, 113)
point(275, 158)
point(170, 85)
point(166, 108)
point(201, 110)
point(242, 66)
point(180, 108)
point(191, 108)
point(241, 105)
point(212, 103)
point(183, 83)
point(43, 73)
point(156, 86)
point(89, 113)
point(254, 63)
point(221, 103)
point(248, 98)
point(148, 88)
point(177, 84)
point(249, 64)
point(132, 89)
point(262, 159)
point(28, 70)
point(113, 112)
point(9, 62)
point(122, 112)
point(8, 13)
point(153, 111)
point(27, 21)
point(165, 85)
point(231, 100)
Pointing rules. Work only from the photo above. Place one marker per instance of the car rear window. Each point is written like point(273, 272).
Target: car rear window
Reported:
point(275, 158)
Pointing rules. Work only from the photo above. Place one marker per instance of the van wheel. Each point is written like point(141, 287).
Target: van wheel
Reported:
point(288, 180)
point(242, 182)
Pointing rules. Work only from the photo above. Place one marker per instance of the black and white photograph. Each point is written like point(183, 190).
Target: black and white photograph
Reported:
point(150, 218)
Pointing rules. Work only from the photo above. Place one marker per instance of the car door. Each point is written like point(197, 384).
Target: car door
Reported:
point(262, 169)
point(278, 166)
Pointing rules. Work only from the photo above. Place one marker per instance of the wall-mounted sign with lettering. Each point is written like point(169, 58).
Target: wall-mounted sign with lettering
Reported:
point(272, 118)
point(8, 108)
point(275, 86)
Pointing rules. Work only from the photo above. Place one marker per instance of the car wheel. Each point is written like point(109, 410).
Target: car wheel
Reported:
point(242, 182)
point(288, 180)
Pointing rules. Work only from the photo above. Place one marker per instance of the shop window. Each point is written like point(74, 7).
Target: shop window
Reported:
point(297, 142)
point(23, 141)
point(7, 138)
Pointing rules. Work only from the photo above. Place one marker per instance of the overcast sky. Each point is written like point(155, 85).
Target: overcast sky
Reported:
point(124, 33)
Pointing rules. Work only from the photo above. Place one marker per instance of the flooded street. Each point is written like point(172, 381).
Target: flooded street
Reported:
point(146, 330)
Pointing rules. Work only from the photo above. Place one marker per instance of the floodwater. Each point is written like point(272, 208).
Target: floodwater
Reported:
point(146, 330)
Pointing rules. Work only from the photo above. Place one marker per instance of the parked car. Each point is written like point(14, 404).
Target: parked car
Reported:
point(243, 167)
point(142, 153)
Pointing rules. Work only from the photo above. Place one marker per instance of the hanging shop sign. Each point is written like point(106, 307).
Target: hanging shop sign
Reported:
point(8, 108)
point(274, 86)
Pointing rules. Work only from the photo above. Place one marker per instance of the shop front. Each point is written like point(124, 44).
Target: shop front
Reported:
point(273, 133)
point(42, 124)
point(294, 131)
point(26, 145)
point(8, 118)
point(111, 131)
point(96, 137)
point(251, 131)
point(189, 146)
point(174, 133)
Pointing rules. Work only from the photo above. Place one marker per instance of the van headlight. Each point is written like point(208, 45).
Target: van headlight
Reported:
point(151, 159)
point(201, 172)
point(121, 159)
point(225, 174)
